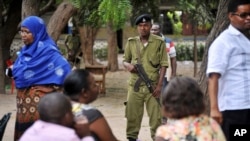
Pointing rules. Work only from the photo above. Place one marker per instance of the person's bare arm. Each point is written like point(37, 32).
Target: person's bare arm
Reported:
point(129, 67)
point(173, 67)
point(213, 85)
point(157, 91)
point(101, 128)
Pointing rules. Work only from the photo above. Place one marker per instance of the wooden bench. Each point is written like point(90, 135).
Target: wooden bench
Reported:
point(99, 72)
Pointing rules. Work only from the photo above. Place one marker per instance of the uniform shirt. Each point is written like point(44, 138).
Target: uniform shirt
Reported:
point(229, 55)
point(153, 56)
point(73, 42)
point(45, 131)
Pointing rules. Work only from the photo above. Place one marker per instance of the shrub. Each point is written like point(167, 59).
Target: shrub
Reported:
point(101, 53)
point(184, 51)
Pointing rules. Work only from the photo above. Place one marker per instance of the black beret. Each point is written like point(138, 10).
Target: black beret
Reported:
point(143, 19)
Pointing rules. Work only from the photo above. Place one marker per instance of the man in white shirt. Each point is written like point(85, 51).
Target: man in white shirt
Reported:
point(228, 70)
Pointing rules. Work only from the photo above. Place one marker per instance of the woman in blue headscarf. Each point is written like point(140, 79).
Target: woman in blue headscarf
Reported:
point(39, 69)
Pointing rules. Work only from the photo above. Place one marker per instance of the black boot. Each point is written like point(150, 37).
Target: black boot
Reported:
point(131, 139)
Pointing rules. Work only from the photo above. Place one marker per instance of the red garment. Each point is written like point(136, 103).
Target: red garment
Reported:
point(9, 62)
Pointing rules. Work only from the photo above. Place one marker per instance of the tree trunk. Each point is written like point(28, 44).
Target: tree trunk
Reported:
point(1, 14)
point(8, 31)
point(30, 7)
point(87, 36)
point(9, 28)
point(60, 19)
point(112, 49)
point(221, 24)
point(195, 47)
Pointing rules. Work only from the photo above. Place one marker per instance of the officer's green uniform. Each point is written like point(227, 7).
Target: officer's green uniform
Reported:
point(73, 41)
point(153, 56)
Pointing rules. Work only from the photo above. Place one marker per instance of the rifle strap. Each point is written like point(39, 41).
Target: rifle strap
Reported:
point(139, 80)
point(138, 51)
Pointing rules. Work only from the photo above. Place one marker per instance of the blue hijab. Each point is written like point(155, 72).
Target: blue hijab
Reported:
point(41, 62)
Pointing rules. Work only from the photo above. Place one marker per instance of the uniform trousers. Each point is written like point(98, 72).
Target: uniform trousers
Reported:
point(135, 110)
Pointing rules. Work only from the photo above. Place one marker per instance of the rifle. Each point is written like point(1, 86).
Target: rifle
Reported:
point(142, 74)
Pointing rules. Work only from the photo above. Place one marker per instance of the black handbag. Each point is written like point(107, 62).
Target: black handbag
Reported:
point(3, 123)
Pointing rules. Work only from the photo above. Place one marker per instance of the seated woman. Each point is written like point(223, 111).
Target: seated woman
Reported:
point(80, 86)
point(183, 106)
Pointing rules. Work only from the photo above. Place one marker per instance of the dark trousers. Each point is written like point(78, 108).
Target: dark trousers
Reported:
point(164, 84)
point(234, 117)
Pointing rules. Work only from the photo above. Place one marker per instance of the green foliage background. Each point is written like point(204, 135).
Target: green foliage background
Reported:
point(115, 12)
point(184, 51)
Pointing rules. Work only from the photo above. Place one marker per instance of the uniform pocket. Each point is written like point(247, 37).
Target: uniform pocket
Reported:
point(154, 60)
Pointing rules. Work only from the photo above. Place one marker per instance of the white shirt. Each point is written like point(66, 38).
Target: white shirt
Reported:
point(229, 55)
point(170, 48)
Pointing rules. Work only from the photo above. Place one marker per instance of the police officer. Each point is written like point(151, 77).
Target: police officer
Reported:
point(150, 51)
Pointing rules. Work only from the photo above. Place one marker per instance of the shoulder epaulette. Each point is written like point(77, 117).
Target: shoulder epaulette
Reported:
point(132, 38)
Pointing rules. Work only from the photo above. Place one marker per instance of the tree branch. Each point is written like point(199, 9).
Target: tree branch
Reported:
point(46, 8)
